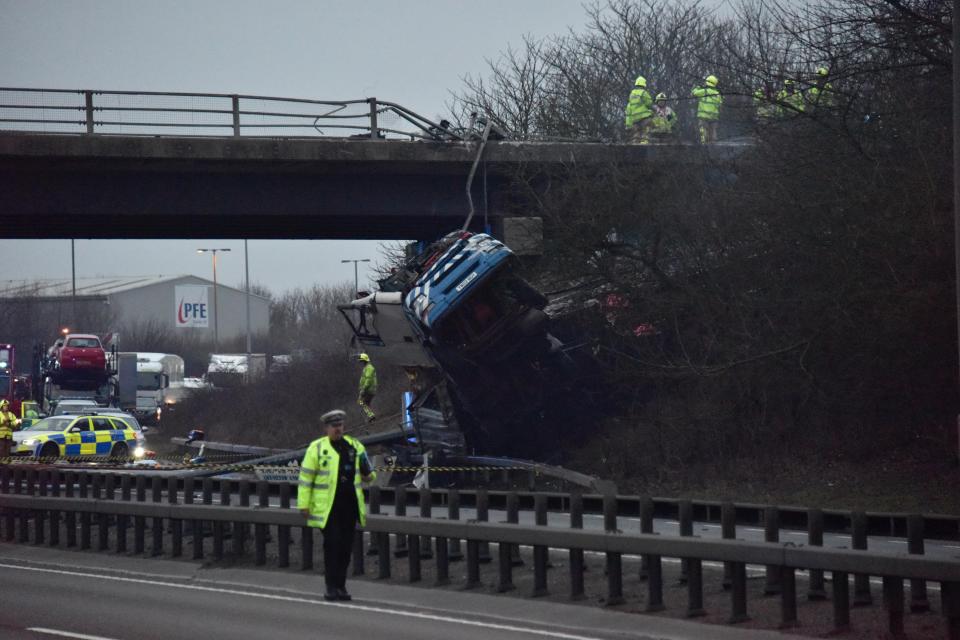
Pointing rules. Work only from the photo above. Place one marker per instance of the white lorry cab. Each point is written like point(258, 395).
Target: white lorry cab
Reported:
point(159, 380)
point(235, 369)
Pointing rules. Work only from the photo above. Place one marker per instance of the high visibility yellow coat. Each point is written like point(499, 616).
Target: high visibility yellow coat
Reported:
point(708, 102)
point(791, 103)
point(8, 424)
point(368, 380)
point(639, 106)
point(319, 475)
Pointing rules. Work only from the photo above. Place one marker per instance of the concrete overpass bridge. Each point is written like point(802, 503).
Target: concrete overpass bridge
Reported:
point(88, 164)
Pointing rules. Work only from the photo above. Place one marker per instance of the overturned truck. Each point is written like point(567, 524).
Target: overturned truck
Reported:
point(474, 340)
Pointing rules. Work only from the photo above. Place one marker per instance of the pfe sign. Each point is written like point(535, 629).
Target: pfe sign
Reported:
point(192, 308)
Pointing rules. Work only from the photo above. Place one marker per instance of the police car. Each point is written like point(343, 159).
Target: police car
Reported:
point(106, 435)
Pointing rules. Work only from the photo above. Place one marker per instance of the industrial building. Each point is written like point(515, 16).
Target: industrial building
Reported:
point(103, 305)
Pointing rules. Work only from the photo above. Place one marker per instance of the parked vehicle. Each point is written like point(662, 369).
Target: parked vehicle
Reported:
point(78, 362)
point(159, 384)
point(235, 369)
point(84, 435)
point(74, 406)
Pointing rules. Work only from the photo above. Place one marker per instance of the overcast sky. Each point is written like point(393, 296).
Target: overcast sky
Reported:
point(412, 52)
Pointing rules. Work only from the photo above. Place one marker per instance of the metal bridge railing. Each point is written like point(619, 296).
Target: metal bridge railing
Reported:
point(211, 114)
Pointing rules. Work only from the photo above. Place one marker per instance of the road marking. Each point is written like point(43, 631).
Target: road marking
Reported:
point(268, 596)
point(66, 634)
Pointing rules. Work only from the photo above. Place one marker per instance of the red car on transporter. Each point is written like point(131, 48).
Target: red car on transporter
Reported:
point(80, 362)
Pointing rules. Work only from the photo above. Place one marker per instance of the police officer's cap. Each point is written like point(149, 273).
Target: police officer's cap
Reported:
point(335, 417)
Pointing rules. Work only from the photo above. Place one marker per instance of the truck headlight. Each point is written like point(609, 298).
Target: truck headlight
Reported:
point(159, 411)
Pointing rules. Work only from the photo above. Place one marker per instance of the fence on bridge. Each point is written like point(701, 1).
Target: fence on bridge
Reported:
point(35, 502)
point(210, 114)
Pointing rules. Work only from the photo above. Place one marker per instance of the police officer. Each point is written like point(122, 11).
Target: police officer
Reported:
point(8, 424)
point(330, 496)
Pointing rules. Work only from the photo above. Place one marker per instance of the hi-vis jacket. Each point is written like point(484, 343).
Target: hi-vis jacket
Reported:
point(368, 380)
point(319, 473)
point(8, 424)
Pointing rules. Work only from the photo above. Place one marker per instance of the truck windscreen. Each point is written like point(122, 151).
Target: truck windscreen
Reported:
point(148, 381)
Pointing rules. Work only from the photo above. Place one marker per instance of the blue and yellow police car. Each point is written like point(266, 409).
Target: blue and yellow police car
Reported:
point(85, 435)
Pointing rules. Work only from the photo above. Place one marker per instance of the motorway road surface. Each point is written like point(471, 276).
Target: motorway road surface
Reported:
point(51, 593)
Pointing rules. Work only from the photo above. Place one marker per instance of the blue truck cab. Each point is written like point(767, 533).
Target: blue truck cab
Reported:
point(468, 303)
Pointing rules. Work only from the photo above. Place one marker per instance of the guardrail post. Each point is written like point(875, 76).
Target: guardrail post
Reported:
point(483, 515)
point(473, 564)
point(260, 530)
point(156, 490)
point(513, 517)
point(685, 525)
point(283, 531)
point(219, 528)
point(788, 597)
point(453, 513)
point(374, 131)
point(9, 486)
point(540, 558)
point(893, 602)
point(39, 517)
point(654, 584)
point(695, 588)
point(576, 555)
point(105, 491)
point(614, 560)
point(176, 524)
point(728, 530)
point(139, 522)
point(950, 601)
point(5, 473)
point(841, 601)
point(738, 592)
point(20, 480)
point(373, 508)
point(918, 586)
point(28, 487)
point(413, 558)
point(443, 562)
point(235, 107)
point(195, 525)
point(85, 517)
point(125, 482)
point(400, 509)
point(240, 528)
point(861, 581)
point(88, 107)
point(55, 479)
point(815, 589)
point(505, 549)
point(383, 554)
point(306, 548)
point(70, 520)
point(426, 511)
point(771, 533)
point(358, 560)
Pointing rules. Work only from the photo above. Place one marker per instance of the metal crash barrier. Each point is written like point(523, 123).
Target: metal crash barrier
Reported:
point(43, 504)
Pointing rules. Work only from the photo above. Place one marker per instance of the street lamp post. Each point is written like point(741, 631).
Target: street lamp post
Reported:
point(216, 311)
point(356, 280)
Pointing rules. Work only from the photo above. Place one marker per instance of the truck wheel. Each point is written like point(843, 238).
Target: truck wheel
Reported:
point(50, 450)
point(120, 451)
